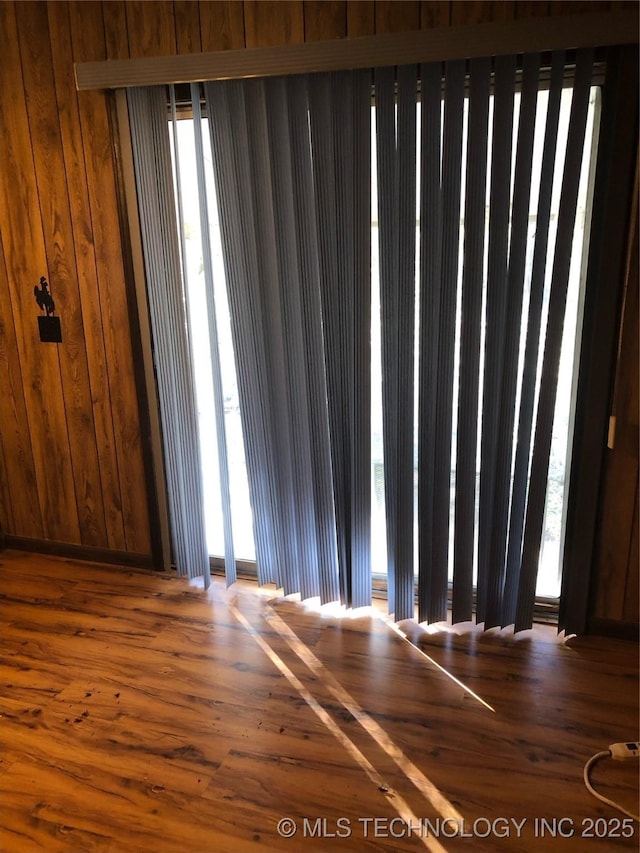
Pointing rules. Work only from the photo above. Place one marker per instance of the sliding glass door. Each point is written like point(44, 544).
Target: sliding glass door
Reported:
point(549, 573)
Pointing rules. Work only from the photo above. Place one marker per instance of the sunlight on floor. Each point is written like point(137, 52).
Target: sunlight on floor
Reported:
point(336, 610)
point(441, 669)
point(393, 797)
point(427, 789)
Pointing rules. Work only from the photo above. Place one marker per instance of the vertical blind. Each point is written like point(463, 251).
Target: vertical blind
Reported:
point(173, 360)
point(454, 168)
point(295, 234)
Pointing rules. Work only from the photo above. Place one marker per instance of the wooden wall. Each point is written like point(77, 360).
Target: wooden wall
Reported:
point(70, 426)
point(72, 467)
point(617, 559)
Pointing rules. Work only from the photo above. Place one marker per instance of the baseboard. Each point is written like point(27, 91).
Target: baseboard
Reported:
point(87, 553)
point(619, 629)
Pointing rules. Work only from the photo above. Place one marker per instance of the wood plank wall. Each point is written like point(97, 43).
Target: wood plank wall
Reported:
point(617, 561)
point(70, 419)
point(71, 442)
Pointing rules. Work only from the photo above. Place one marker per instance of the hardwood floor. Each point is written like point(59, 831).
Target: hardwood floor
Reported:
point(141, 714)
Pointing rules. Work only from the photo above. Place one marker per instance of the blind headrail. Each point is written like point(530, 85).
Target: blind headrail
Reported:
point(448, 43)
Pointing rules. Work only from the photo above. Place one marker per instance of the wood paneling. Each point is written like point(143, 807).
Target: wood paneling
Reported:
point(434, 14)
point(531, 9)
point(578, 7)
point(96, 131)
point(6, 507)
point(467, 12)
point(52, 186)
point(70, 422)
point(617, 565)
point(115, 29)
point(360, 19)
point(632, 591)
point(85, 258)
point(324, 19)
point(272, 22)
point(151, 28)
point(396, 16)
point(26, 262)
point(19, 504)
point(187, 16)
point(222, 25)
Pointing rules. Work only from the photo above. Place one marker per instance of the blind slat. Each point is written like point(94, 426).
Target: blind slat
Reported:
point(429, 324)
point(489, 591)
point(507, 384)
point(451, 193)
point(470, 337)
point(396, 150)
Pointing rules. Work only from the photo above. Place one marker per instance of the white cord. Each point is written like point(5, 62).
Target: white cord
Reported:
point(592, 790)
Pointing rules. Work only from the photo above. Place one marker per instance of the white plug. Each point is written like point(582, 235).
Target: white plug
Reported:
point(620, 751)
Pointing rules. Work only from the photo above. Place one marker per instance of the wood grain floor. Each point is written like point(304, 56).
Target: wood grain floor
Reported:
point(142, 714)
